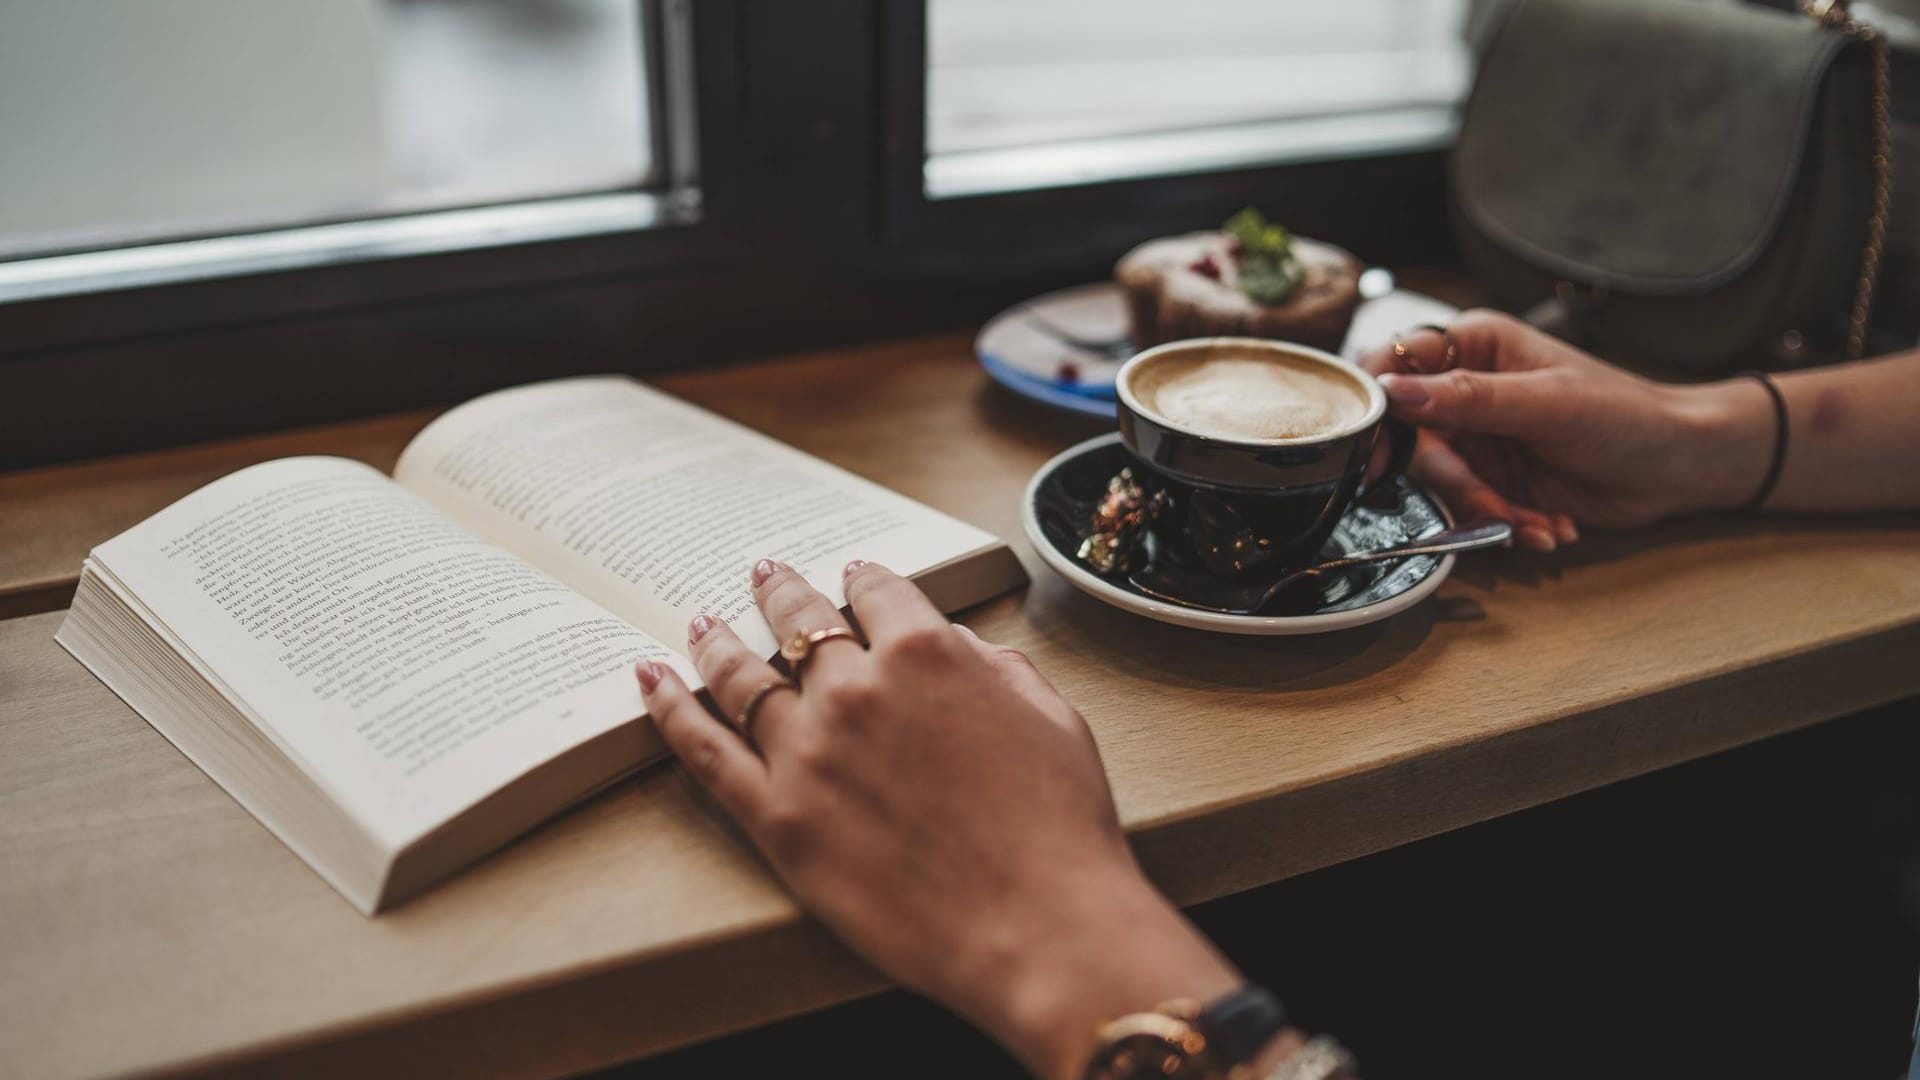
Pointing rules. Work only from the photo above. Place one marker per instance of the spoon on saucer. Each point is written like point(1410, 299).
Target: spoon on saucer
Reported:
point(1191, 588)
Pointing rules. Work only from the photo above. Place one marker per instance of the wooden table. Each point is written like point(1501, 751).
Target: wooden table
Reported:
point(149, 924)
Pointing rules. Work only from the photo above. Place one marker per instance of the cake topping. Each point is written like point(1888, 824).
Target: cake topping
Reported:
point(1206, 266)
point(1269, 272)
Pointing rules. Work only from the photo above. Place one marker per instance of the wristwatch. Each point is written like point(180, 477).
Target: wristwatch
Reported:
point(1182, 1040)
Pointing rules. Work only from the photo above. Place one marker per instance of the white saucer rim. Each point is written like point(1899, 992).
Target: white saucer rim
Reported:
point(1251, 625)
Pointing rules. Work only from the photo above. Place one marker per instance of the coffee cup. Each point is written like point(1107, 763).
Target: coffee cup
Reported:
point(1261, 445)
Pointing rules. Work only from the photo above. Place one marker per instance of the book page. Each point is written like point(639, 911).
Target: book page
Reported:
point(657, 508)
point(407, 666)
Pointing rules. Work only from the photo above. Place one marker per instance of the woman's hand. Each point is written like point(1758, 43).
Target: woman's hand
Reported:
point(1525, 428)
point(940, 807)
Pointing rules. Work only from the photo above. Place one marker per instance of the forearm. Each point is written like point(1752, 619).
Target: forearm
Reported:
point(1853, 435)
point(1854, 438)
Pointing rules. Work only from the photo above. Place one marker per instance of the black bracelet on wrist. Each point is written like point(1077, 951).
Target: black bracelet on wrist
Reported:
point(1779, 461)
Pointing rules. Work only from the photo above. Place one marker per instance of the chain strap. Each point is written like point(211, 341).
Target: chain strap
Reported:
point(1834, 13)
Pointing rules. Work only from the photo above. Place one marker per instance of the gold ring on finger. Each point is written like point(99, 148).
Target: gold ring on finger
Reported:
point(744, 720)
point(800, 646)
point(1451, 354)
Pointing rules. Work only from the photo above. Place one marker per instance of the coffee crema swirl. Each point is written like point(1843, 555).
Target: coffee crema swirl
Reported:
point(1243, 396)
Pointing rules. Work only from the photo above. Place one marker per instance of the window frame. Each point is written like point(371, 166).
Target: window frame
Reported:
point(677, 224)
point(1339, 199)
point(812, 229)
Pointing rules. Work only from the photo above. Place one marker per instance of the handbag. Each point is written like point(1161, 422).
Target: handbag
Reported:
point(1687, 185)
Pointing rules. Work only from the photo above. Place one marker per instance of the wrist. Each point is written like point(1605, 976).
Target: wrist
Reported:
point(1725, 434)
point(1103, 953)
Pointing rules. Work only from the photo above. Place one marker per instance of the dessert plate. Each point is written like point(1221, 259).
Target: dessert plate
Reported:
point(1065, 347)
point(1059, 503)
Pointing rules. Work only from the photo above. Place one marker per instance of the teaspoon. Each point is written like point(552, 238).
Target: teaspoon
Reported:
point(1193, 589)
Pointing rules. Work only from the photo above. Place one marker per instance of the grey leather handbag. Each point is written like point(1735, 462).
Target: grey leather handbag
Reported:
point(1689, 185)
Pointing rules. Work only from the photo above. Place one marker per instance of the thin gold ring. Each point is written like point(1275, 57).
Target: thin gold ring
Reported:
point(800, 646)
point(1451, 355)
point(744, 720)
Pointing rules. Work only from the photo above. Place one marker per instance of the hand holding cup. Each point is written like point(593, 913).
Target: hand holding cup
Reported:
point(1521, 427)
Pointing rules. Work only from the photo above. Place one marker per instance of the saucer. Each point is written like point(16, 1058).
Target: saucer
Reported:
point(1064, 348)
point(1059, 503)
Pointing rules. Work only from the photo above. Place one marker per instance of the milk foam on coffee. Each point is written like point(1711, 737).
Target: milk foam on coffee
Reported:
point(1249, 397)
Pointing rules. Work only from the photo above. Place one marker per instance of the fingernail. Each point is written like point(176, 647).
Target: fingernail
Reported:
point(1404, 390)
point(1569, 532)
point(763, 570)
point(1538, 538)
point(698, 628)
point(852, 566)
point(648, 673)
point(967, 630)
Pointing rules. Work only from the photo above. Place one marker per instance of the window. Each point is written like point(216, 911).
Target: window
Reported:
point(1022, 94)
point(339, 130)
point(246, 214)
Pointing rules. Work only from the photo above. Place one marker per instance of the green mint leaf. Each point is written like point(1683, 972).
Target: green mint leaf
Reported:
point(1268, 271)
point(1259, 238)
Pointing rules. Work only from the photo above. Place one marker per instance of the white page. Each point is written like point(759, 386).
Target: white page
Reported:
point(657, 508)
point(406, 665)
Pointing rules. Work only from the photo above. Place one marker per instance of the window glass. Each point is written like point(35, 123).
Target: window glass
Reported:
point(130, 121)
point(1037, 93)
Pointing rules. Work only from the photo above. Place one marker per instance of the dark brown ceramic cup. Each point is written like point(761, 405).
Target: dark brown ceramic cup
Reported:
point(1245, 504)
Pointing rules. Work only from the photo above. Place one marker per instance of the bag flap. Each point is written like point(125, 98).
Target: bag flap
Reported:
point(1642, 145)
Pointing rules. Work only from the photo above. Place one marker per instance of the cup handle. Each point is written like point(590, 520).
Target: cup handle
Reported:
point(1401, 438)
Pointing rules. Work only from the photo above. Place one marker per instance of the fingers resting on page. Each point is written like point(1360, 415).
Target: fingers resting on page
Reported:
point(922, 791)
point(760, 706)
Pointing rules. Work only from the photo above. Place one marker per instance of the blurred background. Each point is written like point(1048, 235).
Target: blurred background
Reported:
point(371, 108)
point(207, 116)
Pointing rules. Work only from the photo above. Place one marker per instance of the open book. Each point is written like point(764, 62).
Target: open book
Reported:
point(399, 675)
